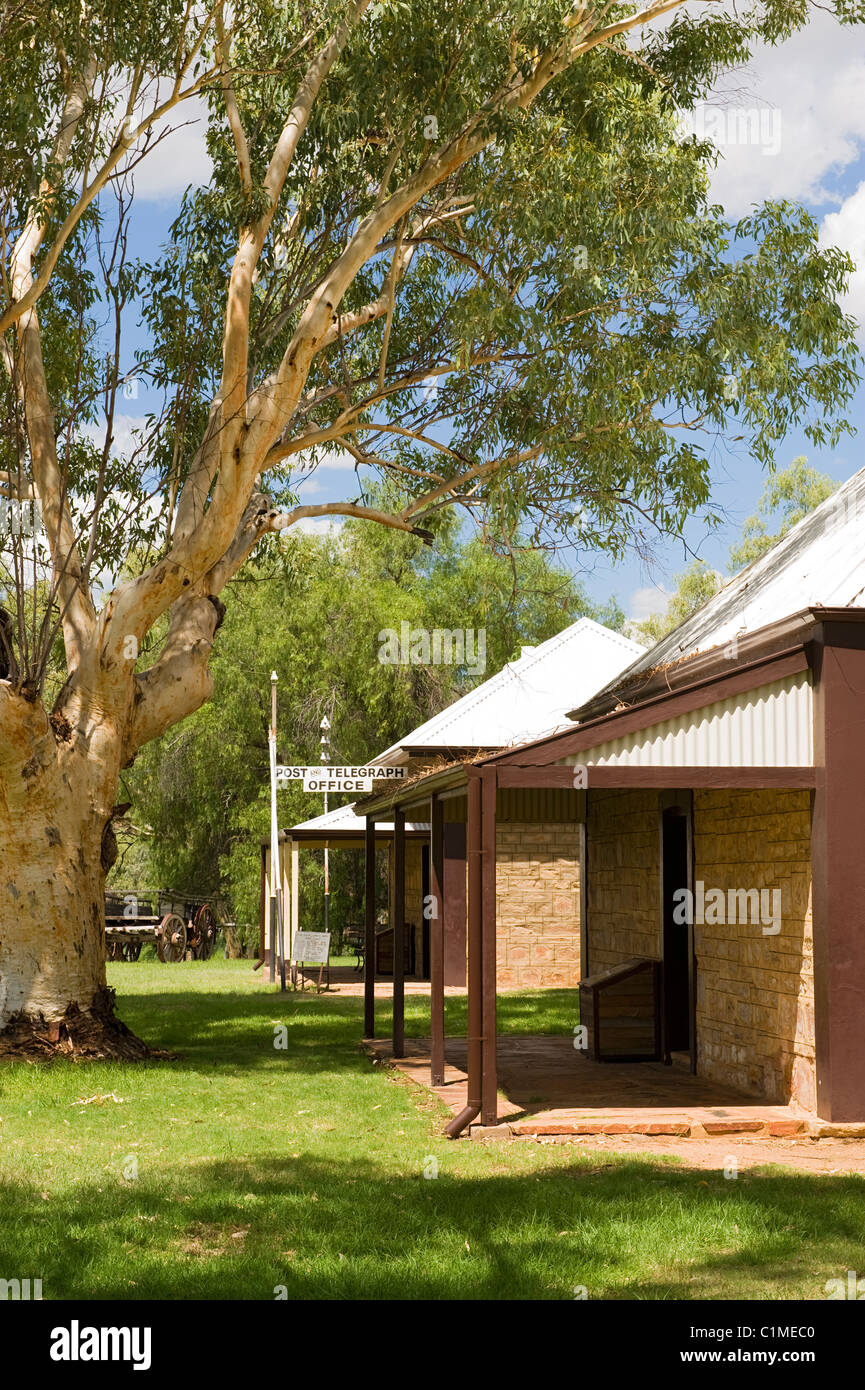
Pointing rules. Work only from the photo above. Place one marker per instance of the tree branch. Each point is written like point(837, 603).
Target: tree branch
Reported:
point(241, 145)
point(235, 347)
point(249, 427)
point(34, 230)
point(280, 521)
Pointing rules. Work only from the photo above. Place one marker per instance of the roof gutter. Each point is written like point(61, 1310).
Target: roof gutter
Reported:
point(418, 790)
point(750, 648)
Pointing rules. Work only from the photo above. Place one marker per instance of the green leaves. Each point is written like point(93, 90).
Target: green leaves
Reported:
point(575, 325)
point(787, 497)
point(313, 611)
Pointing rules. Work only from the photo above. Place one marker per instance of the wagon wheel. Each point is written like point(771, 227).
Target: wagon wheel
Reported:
point(115, 950)
point(171, 938)
point(204, 926)
point(132, 950)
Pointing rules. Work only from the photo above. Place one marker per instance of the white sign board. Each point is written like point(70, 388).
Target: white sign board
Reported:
point(365, 774)
point(337, 784)
point(310, 948)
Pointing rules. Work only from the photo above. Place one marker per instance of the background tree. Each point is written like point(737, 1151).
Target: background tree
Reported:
point(464, 243)
point(694, 587)
point(787, 497)
point(314, 610)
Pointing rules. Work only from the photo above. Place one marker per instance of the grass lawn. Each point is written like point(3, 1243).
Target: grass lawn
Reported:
point(240, 1167)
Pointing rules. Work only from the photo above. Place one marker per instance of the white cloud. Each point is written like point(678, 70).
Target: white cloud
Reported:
point(644, 602)
point(179, 159)
point(315, 526)
point(812, 86)
point(124, 432)
point(323, 458)
point(846, 228)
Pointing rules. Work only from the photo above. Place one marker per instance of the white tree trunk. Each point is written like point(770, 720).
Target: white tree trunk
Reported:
point(56, 843)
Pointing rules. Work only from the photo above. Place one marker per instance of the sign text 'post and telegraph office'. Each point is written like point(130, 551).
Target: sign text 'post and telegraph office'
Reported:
point(337, 779)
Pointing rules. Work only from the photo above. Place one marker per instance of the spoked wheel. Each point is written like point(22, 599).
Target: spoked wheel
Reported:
point(204, 933)
point(132, 950)
point(115, 950)
point(171, 938)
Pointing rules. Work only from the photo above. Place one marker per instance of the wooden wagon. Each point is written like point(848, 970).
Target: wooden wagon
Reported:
point(179, 926)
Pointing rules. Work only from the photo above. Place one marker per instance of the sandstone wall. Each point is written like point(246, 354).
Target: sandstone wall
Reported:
point(755, 992)
point(538, 904)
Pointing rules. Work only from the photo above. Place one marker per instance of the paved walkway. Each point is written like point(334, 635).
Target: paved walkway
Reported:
point(345, 980)
point(546, 1088)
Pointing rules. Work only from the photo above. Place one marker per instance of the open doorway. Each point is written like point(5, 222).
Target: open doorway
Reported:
point(679, 966)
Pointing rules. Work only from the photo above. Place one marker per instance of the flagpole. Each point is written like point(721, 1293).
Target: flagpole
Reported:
point(325, 759)
point(275, 857)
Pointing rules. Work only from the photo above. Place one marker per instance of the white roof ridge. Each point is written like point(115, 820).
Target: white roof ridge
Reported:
point(488, 689)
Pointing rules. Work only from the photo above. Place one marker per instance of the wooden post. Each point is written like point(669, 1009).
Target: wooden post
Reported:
point(437, 955)
point(489, 1083)
point(838, 871)
point(584, 895)
point(475, 942)
point(369, 931)
point(262, 913)
point(474, 934)
point(295, 900)
point(454, 889)
point(398, 932)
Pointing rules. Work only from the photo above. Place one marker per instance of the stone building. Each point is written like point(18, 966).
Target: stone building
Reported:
point(539, 838)
point(715, 791)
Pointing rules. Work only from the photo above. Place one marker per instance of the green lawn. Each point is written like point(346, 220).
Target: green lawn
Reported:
point(238, 1168)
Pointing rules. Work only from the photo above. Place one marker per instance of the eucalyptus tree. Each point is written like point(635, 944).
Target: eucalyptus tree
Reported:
point(786, 499)
point(464, 242)
point(199, 803)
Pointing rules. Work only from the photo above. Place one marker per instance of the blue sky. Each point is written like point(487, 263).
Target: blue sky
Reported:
point(805, 141)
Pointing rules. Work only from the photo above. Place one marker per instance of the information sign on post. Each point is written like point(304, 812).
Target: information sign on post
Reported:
point(311, 948)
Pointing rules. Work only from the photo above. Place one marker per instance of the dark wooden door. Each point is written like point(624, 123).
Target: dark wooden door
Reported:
point(679, 974)
point(425, 893)
point(454, 874)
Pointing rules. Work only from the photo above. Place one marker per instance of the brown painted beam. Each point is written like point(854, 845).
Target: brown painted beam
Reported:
point(605, 777)
point(838, 881)
point(437, 954)
point(369, 930)
point(399, 933)
point(489, 1078)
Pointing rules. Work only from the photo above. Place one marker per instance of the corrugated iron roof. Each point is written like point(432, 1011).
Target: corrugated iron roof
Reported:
point(346, 818)
point(819, 563)
point(528, 698)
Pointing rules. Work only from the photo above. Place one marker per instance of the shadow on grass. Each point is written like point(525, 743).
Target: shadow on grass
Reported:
point(215, 1030)
point(353, 1229)
point(361, 1220)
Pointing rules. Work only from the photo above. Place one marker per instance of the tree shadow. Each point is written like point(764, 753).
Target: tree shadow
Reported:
point(356, 1228)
